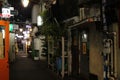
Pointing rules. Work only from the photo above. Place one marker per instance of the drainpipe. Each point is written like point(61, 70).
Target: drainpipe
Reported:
point(110, 58)
point(115, 56)
point(105, 28)
point(63, 60)
point(106, 56)
point(48, 52)
point(106, 53)
point(69, 52)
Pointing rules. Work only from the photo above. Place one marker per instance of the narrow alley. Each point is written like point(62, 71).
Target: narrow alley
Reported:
point(25, 68)
point(60, 40)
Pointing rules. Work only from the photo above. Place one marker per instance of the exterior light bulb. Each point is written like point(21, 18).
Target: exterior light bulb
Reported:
point(25, 3)
point(54, 2)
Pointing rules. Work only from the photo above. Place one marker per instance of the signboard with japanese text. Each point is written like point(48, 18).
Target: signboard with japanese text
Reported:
point(6, 13)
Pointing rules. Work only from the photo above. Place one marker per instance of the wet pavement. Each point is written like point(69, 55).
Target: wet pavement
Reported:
point(25, 68)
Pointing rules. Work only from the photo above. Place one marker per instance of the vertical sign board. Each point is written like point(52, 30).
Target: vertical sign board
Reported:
point(4, 49)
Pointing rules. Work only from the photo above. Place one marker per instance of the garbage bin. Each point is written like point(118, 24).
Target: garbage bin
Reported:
point(36, 48)
point(59, 64)
point(36, 55)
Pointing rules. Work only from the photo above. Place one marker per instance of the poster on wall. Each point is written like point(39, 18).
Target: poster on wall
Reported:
point(84, 48)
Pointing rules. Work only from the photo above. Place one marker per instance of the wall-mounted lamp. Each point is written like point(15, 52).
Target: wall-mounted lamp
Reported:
point(25, 2)
point(39, 21)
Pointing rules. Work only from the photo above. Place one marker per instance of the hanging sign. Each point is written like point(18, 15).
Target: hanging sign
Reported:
point(84, 48)
point(5, 13)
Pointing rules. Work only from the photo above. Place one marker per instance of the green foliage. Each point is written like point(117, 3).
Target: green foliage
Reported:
point(50, 26)
point(45, 15)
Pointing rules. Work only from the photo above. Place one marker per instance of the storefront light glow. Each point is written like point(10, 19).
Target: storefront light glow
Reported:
point(20, 36)
point(21, 29)
point(30, 29)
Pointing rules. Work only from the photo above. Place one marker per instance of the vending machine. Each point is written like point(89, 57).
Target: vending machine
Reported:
point(4, 49)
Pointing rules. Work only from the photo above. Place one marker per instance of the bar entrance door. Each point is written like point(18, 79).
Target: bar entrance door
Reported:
point(4, 49)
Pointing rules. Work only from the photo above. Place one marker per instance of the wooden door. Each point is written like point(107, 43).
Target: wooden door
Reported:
point(84, 55)
point(75, 52)
point(4, 47)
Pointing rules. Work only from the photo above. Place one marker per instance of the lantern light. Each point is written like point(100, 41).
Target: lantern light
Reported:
point(25, 3)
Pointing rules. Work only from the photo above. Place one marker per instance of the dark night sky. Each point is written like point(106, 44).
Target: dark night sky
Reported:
point(23, 13)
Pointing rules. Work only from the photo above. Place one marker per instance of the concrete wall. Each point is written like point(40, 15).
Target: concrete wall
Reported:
point(12, 47)
point(96, 59)
point(96, 48)
point(35, 13)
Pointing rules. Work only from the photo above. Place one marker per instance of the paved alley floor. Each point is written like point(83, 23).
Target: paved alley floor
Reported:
point(25, 68)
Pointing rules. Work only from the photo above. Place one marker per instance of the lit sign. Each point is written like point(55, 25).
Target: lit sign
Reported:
point(5, 13)
point(8, 12)
point(10, 27)
point(28, 26)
